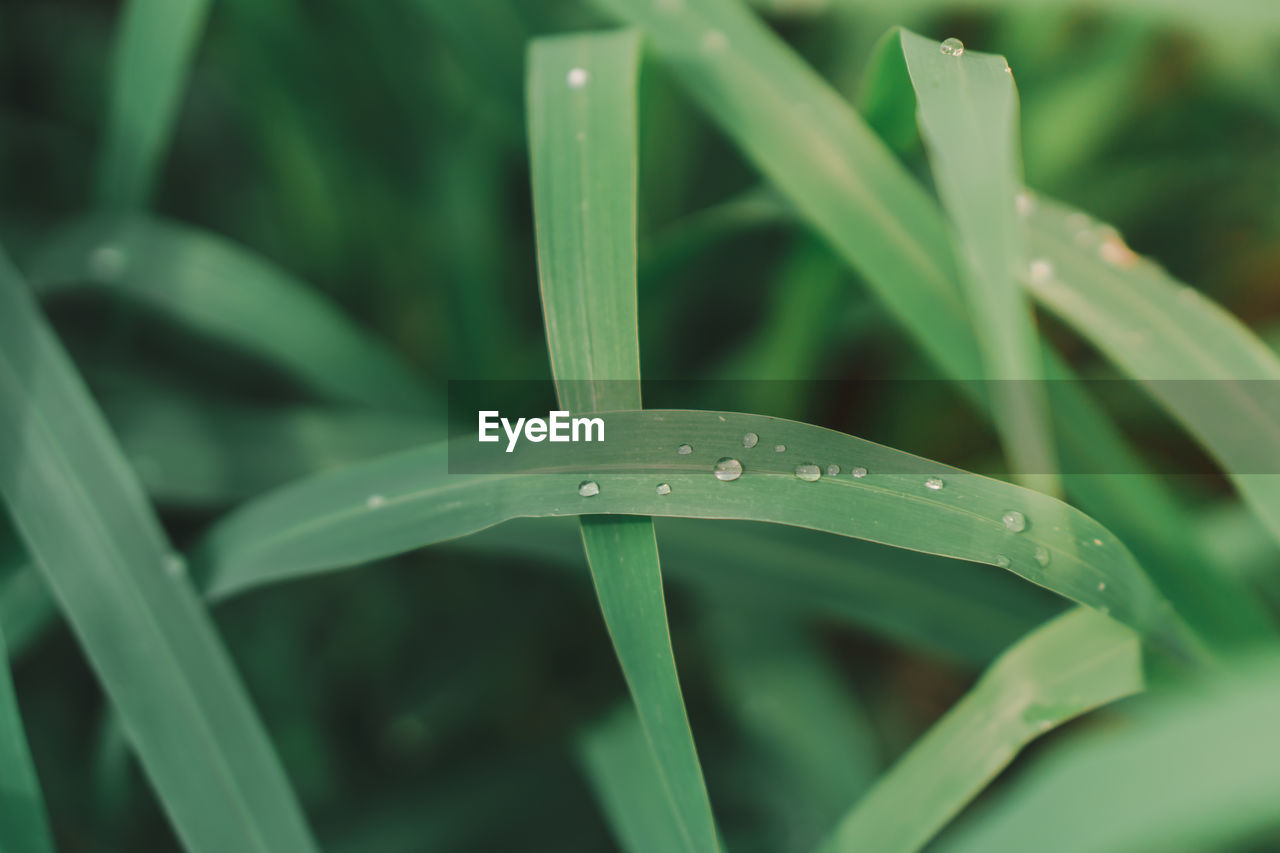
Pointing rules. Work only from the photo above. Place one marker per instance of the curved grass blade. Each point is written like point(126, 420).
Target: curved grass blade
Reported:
point(1067, 667)
point(1198, 771)
point(328, 521)
point(154, 46)
point(215, 288)
point(968, 115)
point(1203, 365)
point(852, 190)
point(582, 143)
point(87, 524)
point(616, 757)
point(23, 824)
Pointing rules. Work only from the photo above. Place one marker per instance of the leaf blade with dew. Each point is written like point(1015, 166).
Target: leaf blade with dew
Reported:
point(23, 822)
point(323, 522)
point(841, 179)
point(968, 114)
point(1197, 360)
point(1067, 667)
point(151, 56)
point(1200, 768)
point(87, 524)
point(210, 285)
point(582, 144)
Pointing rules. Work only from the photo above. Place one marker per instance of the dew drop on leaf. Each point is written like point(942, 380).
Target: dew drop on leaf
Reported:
point(808, 472)
point(727, 469)
point(833, 469)
point(859, 473)
point(934, 484)
point(588, 488)
point(664, 488)
point(684, 449)
point(952, 47)
point(577, 78)
point(1042, 555)
point(1014, 521)
point(750, 440)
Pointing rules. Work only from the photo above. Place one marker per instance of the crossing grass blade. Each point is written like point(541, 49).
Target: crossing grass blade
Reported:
point(154, 47)
point(832, 169)
point(217, 289)
point(582, 143)
point(327, 522)
point(85, 521)
point(968, 115)
point(615, 755)
point(23, 824)
point(1067, 667)
point(1199, 771)
point(1204, 366)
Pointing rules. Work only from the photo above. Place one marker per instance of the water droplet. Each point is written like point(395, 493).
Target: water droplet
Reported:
point(952, 47)
point(1025, 203)
point(577, 78)
point(1002, 561)
point(808, 472)
point(833, 469)
point(107, 262)
point(728, 469)
point(1041, 271)
point(714, 41)
point(664, 488)
point(1007, 69)
point(374, 501)
point(859, 473)
point(1014, 521)
point(934, 484)
point(750, 440)
point(175, 565)
point(779, 448)
point(684, 449)
point(1102, 586)
point(1097, 542)
point(1042, 555)
point(588, 488)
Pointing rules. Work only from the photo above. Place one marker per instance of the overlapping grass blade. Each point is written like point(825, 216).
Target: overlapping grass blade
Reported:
point(327, 521)
point(843, 180)
point(23, 824)
point(1199, 771)
point(218, 289)
point(582, 143)
point(154, 46)
point(1199, 362)
point(1068, 666)
point(968, 115)
point(616, 757)
point(86, 522)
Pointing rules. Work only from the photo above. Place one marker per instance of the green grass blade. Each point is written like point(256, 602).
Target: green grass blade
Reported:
point(87, 524)
point(23, 824)
point(582, 142)
point(328, 521)
point(1069, 666)
point(1198, 771)
point(155, 43)
point(843, 180)
point(217, 289)
point(968, 115)
point(616, 757)
point(1156, 329)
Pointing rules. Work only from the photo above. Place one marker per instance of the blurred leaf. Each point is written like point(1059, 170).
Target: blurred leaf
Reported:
point(23, 824)
point(582, 143)
point(216, 288)
point(87, 524)
point(616, 756)
point(328, 521)
point(153, 51)
point(1069, 666)
point(1194, 771)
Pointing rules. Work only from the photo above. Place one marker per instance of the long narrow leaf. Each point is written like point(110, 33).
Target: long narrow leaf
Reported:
point(86, 522)
point(23, 825)
point(582, 142)
point(1069, 666)
point(154, 46)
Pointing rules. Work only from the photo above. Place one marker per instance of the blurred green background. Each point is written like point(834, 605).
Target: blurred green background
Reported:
point(377, 151)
